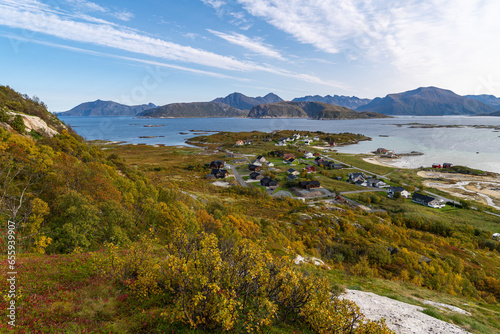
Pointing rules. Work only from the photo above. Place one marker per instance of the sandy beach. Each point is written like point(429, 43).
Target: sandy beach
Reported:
point(379, 161)
point(484, 189)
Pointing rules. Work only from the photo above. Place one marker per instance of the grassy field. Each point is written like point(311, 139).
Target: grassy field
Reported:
point(170, 166)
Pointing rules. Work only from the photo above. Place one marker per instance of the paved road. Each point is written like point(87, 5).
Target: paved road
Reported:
point(369, 189)
point(238, 177)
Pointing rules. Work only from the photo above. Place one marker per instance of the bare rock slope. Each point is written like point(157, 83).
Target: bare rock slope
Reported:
point(401, 317)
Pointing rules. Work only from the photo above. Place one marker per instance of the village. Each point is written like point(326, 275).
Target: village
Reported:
point(312, 173)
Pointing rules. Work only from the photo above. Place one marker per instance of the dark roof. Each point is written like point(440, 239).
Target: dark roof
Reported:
point(356, 174)
point(259, 157)
point(253, 175)
point(395, 189)
point(291, 170)
point(267, 182)
point(304, 184)
point(292, 177)
point(422, 198)
point(217, 164)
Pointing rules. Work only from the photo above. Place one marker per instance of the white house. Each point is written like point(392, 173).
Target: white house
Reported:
point(392, 190)
point(428, 201)
point(308, 155)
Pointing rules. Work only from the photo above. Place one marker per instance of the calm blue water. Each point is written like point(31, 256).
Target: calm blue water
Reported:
point(455, 145)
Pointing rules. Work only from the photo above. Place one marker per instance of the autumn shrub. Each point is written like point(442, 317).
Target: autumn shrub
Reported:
point(206, 283)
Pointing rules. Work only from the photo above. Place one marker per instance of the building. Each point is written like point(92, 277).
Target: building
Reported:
point(254, 168)
point(217, 164)
point(336, 166)
point(254, 175)
point(287, 156)
point(310, 169)
point(392, 190)
point(239, 143)
point(293, 171)
point(267, 182)
point(436, 165)
point(353, 177)
point(381, 150)
point(308, 155)
point(447, 165)
point(260, 158)
point(309, 184)
point(374, 183)
point(429, 201)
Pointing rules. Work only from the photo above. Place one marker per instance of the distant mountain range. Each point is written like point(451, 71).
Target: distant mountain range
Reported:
point(193, 109)
point(427, 101)
point(351, 102)
point(106, 108)
point(423, 101)
point(313, 110)
point(243, 102)
point(488, 99)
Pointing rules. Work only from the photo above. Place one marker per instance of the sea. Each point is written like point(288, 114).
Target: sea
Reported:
point(465, 145)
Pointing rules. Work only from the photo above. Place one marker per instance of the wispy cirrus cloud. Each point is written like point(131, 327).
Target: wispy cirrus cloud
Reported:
point(33, 16)
point(253, 44)
point(88, 6)
point(132, 59)
point(432, 41)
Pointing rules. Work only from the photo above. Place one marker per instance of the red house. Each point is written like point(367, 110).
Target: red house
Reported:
point(310, 169)
point(436, 165)
point(447, 165)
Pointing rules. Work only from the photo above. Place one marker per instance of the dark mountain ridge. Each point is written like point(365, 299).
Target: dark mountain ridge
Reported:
point(490, 100)
point(427, 101)
point(351, 102)
point(313, 110)
point(243, 102)
point(194, 110)
point(106, 108)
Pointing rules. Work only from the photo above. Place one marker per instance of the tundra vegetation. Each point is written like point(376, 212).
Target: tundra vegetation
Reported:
point(134, 239)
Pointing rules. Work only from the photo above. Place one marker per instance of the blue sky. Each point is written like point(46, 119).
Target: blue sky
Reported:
point(72, 51)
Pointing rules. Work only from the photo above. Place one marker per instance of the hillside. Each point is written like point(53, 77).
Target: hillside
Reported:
point(427, 101)
point(194, 109)
point(106, 108)
point(136, 239)
point(243, 102)
point(351, 102)
point(490, 100)
point(313, 110)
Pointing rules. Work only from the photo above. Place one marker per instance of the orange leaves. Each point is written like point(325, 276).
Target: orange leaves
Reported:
point(247, 228)
point(208, 222)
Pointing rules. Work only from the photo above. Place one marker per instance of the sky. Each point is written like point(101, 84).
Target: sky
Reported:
point(67, 52)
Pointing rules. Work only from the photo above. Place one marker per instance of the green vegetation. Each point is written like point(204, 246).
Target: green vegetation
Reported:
point(135, 239)
point(458, 170)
